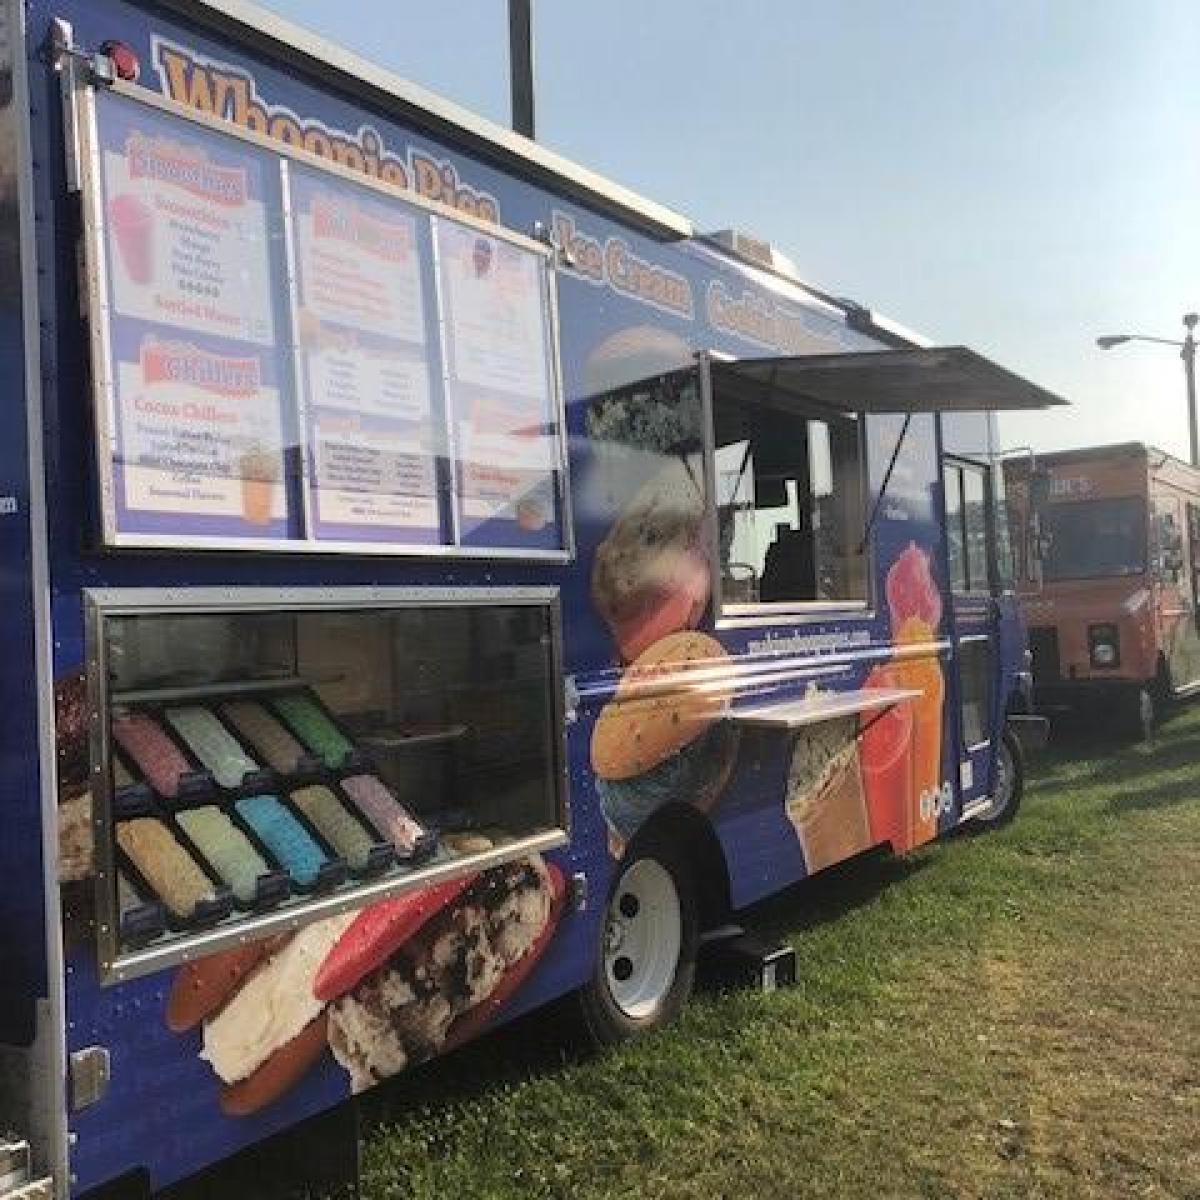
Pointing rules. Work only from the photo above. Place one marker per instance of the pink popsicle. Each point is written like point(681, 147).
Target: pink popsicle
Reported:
point(157, 757)
point(384, 811)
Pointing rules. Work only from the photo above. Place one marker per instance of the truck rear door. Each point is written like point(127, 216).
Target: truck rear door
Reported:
point(970, 534)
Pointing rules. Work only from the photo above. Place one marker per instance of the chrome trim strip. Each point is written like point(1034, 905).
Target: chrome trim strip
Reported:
point(153, 541)
point(296, 358)
point(131, 601)
point(449, 418)
point(288, 41)
point(157, 958)
point(95, 269)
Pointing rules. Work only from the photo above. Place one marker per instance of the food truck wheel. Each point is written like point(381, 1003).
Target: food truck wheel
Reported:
point(1009, 785)
point(647, 954)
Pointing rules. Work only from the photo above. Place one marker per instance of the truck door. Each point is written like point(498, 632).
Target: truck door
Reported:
point(970, 531)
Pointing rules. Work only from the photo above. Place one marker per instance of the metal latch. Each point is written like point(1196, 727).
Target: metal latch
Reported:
point(89, 1074)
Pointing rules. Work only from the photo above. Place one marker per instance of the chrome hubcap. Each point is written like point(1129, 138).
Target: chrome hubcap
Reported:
point(643, 934)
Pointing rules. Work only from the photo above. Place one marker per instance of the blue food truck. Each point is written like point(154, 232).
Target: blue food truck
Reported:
point(435, 580)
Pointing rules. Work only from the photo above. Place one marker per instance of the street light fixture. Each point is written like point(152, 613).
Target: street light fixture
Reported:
point(1187, 352)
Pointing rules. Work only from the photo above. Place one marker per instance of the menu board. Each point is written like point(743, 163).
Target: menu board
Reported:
point(361, 326)
point(198, 417)
point(271, 365)
point(499, 389)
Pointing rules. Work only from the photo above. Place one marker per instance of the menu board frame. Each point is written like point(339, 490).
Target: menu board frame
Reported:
point(82, 116)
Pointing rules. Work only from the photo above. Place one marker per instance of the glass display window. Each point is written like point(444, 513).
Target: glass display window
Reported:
point(266, 763)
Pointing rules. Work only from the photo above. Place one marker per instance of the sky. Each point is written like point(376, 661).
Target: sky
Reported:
point(1018, 176)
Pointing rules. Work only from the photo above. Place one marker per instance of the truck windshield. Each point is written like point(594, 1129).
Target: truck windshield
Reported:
point(1094, 539)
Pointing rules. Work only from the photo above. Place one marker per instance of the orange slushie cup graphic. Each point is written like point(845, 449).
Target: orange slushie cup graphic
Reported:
point(886, 749)
point(259, 472)
point(915, 606)
point(923, 674)
point(132, 223)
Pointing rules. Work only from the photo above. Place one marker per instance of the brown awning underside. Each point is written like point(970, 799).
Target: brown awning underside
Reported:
point(940, 379)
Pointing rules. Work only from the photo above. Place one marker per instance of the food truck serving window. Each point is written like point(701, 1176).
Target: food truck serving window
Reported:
point(260, 764)
point(288, 355)
point(789, 485)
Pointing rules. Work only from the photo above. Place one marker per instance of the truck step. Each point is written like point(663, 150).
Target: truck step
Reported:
point(14, 1163)
point(35, 1189)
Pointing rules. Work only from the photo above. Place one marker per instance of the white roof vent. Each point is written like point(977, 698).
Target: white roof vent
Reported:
point(755, 250)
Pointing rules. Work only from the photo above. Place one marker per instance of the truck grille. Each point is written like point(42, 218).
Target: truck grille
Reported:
point(1043, 644)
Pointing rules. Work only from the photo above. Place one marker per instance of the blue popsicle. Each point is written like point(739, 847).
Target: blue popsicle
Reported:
point(287, 840)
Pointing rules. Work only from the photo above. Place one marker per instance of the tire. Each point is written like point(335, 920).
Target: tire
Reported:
point(646, 957)
point(1009, 789)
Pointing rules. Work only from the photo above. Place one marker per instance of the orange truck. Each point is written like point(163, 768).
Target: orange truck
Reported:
point(1110, 577)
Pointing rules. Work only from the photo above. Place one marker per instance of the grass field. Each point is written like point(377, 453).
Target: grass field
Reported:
point(1016, 1015)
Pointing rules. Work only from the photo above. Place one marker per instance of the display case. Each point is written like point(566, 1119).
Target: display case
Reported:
point(260, 759)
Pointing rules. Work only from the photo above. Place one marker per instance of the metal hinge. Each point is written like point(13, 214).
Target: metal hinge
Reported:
point(88, 1072)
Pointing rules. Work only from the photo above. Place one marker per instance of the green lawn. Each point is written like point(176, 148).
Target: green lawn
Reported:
point(1016, 1015)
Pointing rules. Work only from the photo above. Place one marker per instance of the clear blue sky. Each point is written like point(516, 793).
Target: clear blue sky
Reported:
point(1016, 175)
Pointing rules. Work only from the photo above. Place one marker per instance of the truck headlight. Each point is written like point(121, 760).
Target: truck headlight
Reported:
point(1104, 645)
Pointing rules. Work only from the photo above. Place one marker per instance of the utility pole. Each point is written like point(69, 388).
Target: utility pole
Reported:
point(1188, 354)
point(520, 62)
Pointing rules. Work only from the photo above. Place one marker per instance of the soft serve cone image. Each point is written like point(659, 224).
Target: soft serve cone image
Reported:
point(825, 801)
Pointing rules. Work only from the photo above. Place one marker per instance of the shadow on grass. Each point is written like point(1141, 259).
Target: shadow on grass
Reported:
point(831, 895)
point(538, 1044)
point(545, 1041)
point(1165, 795)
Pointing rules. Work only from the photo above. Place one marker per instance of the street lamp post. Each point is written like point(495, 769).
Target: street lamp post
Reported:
point(1187, 352)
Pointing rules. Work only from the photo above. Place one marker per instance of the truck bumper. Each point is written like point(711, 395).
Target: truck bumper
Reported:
point(1032, 732)
point(1084, 693)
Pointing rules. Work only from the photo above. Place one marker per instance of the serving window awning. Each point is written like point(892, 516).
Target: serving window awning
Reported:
point(939, 379)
